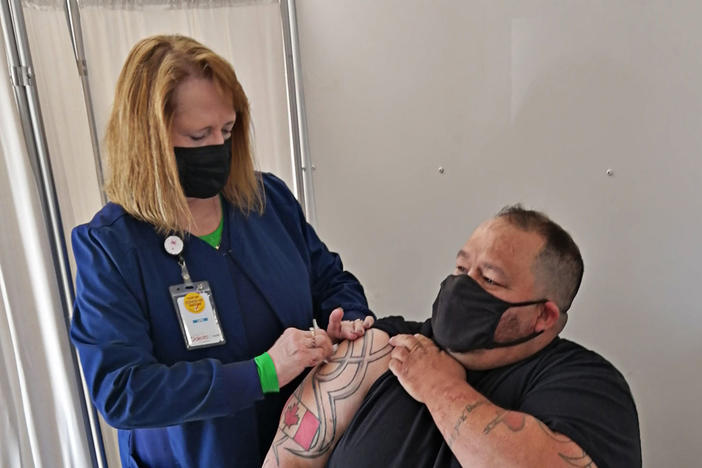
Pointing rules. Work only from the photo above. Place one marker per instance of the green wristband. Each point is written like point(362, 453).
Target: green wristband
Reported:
point(267, 374)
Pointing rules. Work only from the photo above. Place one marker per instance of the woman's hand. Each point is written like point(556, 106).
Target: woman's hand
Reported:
point(297, 349)
point(339, 330)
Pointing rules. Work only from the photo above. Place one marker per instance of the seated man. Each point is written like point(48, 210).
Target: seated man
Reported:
point(487, 382)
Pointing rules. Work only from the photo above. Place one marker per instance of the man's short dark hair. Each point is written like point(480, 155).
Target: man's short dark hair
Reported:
point(558, 267)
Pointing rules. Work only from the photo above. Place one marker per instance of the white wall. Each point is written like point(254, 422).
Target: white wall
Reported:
point(524, 101)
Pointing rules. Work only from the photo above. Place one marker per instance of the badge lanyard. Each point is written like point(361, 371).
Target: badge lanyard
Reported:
point(194, 304)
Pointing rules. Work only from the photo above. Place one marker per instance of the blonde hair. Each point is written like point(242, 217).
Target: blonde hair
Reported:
point(143, 175)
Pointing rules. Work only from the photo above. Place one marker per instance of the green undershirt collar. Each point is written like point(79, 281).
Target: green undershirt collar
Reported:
point(215, 237)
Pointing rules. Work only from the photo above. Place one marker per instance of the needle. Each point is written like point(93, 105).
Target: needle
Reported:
point(314, 329)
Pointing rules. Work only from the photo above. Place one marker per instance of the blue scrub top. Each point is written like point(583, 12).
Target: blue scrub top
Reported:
point(202, 407)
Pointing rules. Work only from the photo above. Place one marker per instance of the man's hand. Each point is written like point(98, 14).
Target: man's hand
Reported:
point(421, 366)
point(339, 330)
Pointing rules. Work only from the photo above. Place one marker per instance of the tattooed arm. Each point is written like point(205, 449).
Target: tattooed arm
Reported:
point(320, 409)
point(479, 432)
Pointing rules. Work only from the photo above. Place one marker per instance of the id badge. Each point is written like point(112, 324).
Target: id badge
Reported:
point(197, 314)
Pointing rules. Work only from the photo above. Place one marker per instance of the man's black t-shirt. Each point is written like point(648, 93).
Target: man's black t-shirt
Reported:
point(574, 391)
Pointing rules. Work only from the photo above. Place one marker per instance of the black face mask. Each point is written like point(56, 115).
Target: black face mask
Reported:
point(465, 316)
point(204, 170)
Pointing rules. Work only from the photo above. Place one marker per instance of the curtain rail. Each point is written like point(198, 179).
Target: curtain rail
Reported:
point(301, 161)
point(76, 32)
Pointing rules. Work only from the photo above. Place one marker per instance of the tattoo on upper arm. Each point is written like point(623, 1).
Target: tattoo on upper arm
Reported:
point(581, 459)
point(313, 431)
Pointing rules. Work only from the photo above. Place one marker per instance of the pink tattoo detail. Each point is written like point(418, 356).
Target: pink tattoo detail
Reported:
point(308, 428)
point(513, 420)
point(300, 424)
point(291, 415)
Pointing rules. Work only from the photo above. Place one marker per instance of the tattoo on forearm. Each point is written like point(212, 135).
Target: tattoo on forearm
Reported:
point(557, 437)
point(581, 460)
point(514, 421)
point(461, 419)
point(314, 430)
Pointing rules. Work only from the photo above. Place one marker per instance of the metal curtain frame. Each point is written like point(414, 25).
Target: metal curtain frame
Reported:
point(27, 100)
point(301, 161)
point(76, 33)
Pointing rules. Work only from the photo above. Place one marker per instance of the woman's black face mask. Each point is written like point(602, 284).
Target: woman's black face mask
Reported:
point(204, 170)
point(465, 316)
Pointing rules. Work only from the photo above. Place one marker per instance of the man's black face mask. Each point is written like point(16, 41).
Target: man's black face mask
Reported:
point(465, 316)
point(204, 170)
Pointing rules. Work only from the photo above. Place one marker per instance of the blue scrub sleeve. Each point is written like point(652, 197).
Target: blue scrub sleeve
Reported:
point(332, 286)
point(110, 329)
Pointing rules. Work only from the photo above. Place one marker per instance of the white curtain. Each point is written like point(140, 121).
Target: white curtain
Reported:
point(36, 385)
point(38, 389)
point(247, 33)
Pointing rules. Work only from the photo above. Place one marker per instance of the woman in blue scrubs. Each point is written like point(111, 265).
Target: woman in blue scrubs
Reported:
point(198, 284)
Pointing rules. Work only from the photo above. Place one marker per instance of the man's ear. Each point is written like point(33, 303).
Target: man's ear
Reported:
point(548, 316)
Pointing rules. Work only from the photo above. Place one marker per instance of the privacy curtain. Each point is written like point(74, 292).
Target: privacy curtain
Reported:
point(40, 424)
